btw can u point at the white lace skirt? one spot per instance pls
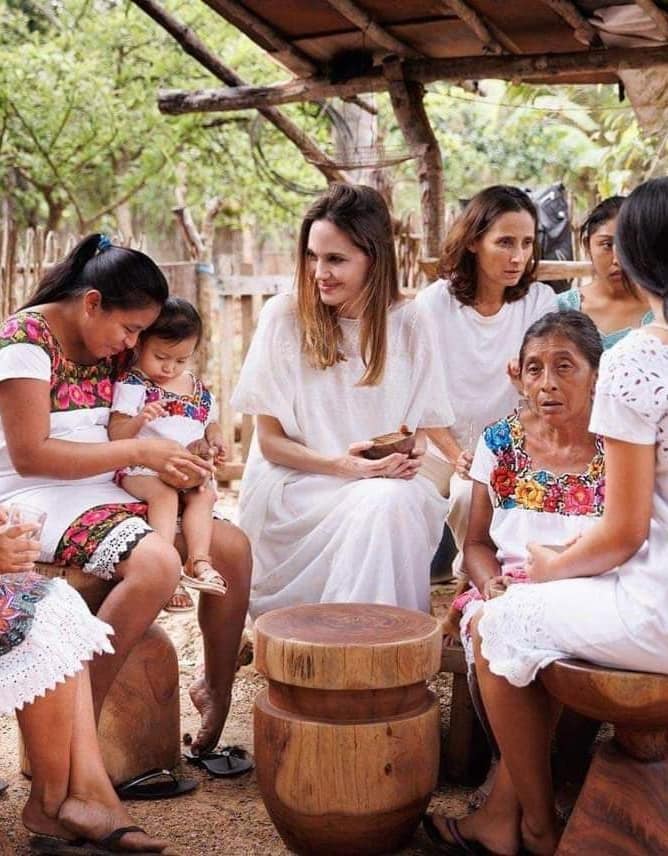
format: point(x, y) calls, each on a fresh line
point(62, 637)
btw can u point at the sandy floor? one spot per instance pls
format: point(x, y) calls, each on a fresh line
point(221, 816)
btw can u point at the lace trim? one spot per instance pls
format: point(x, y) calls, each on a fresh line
point(636, 373)
point(63, 636)
point(116, 547)
point(514, 641)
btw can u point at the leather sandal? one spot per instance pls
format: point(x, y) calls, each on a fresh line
point(215, 584)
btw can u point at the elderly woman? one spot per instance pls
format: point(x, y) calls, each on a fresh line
point(605, 597)
point(46, 636)
point(343, 360)
point(59, 356)
point(481, 307)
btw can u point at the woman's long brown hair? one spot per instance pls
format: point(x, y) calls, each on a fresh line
point(361, 213)
point(458, 263)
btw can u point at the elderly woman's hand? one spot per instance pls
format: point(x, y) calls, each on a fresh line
point(17, 551)
point(539, 567)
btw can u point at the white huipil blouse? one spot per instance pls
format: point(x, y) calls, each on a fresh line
point(322, 538)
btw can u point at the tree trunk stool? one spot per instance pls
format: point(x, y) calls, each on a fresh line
point(347, 733)
point(139, 726)
point(622, 807)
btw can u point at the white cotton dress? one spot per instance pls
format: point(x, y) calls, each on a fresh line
point(46, 636)
point(618, 619)
point(320, 538)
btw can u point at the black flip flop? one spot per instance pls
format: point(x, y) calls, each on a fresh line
point(221, 763)
point(3, 786)
point(81, 846)
point(155, 785)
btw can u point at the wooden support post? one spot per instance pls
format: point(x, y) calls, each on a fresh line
point(527, 67)
point(407, 98)
point(475, 22)
point(584, 32)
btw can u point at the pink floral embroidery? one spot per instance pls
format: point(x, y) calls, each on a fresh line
point(104, 389)
point(10, 327)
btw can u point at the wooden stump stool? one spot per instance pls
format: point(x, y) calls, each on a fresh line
point(347, 733)
point(622, 807)
point(139, 726)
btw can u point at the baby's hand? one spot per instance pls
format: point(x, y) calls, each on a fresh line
point(152, 411)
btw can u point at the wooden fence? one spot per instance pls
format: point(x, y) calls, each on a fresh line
point(232, 315)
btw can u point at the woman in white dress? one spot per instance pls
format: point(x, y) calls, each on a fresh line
point(343, 360)
point(47, 635)
point(59, 357)
point(605, 598)
point(481, 308)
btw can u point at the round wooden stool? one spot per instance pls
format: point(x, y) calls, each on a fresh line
point(622, 806)
point(347, 733)
point(139, 726)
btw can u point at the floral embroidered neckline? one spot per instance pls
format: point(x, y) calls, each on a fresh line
point(515, 483)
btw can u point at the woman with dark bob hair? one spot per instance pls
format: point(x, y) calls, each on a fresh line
point(481, 307)
point(59, 356)
point(604, 598)
point(343, 360)
point(611, 300)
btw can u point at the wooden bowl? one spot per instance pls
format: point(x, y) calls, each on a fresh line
point(387, 444)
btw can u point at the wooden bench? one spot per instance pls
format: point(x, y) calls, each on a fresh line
point(622, 806)
point(139, 726)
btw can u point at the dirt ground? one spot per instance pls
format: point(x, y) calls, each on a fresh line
point(225, 817)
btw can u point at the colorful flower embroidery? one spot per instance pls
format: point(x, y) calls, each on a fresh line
point(196, 406)
point(19, 596)
point(85, 534)
point(73, 386)
point(515, 483)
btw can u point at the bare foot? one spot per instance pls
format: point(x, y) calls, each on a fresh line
point(36, 820)
point(94, 821)
point(213, 711)
point(543, 843)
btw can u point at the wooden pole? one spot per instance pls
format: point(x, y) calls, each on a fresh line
point(192, 45)
point(570, 13)
point(475, 22)
point(528, 67)
point(407, 98)
point(656, 14)
point(371, 28)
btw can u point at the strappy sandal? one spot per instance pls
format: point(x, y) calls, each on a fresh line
point(200, 583)
point(172, 606)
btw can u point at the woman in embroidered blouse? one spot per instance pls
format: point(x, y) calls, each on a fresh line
point(344, 360)
point(59, 356)
point(604, 598)
point(611, 300)
point(46, 636)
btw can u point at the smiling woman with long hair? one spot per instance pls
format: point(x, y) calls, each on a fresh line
point(344, 360)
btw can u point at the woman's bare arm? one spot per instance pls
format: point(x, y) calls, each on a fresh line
point(479, 550)
point(25, 414)
point(624, 526)
point(278, 448)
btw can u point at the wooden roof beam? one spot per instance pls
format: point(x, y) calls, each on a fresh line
point(505, 67)
point(371, 28)
point(584, 32)
point(195, 48)
point(656, 14)
point(254, 26)
point(475, 22)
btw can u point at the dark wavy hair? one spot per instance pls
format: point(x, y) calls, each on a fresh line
point(641, 239)
point(458, 263)
point(178, 320)
point(606, 210)
point(573, 325)
point(126, 279)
